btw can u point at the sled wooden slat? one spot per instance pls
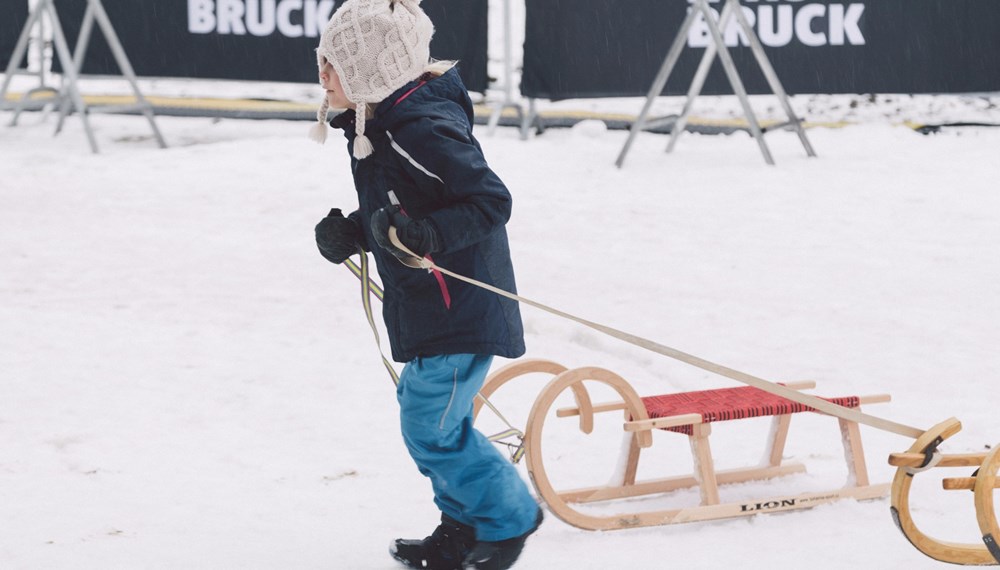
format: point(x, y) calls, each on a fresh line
point(776, 504)
point(962, 483)
point(958, 483)
point(664, 423)
point(669, 484)
point(950, 460)
point(598, 408)
point(875, 399)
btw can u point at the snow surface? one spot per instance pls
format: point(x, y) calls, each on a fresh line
point(186, 383)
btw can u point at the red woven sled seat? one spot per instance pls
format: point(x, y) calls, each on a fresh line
point(729, 404)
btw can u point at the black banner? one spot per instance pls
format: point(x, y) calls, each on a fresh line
point(13, 16)
point(256, 40)
point(607, 48)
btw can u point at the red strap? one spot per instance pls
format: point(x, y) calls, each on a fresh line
point(729, 404)
point(442, 285)
point(445, 294)
point(408, 93)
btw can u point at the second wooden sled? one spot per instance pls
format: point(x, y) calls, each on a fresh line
point(691, 414)
point(923, 456)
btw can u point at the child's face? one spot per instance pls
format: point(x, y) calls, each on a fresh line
point(334, 92)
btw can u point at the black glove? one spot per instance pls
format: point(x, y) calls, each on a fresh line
point(418, 235)
point(338, 237)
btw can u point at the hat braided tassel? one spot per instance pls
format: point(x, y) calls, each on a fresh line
point(362, 146)
point(318, 131)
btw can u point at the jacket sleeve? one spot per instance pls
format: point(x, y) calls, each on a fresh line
point(355, 217)
point(443, 154)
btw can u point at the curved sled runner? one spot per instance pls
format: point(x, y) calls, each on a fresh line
point(690, 414)
point(923, 456)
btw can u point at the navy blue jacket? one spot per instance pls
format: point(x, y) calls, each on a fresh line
point(425, 153)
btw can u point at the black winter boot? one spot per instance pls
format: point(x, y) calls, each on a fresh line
point(444, 549)
point(499, 555)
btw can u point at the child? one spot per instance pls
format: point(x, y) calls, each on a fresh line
point(417, 167)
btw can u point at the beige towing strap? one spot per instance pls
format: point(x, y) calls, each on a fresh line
point(819, 404)
point(369, 288)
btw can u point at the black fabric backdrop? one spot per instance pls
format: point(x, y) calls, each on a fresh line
point(156, 37)
point(13, 15)
point(605, 48)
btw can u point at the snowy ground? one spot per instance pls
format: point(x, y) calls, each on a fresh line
point(186, 383)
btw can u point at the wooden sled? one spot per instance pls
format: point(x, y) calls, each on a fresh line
point(688, 413)
point(923, 456)
point(693, 412)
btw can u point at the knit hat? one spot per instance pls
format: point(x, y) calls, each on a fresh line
point(376, 47)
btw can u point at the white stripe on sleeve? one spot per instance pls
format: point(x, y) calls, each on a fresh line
point(407, 156)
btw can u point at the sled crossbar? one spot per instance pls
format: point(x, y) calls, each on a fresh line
point(963, 484)
point(952, 460)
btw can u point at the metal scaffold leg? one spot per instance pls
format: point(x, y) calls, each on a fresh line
point(732, 10)
point(68, 97)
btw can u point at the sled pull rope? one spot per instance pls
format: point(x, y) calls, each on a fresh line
point(368, 288)
point(819, 404)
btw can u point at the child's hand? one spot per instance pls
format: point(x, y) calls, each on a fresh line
point(418, 235)
point(337, 237)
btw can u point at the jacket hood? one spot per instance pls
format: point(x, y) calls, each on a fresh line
point(436, 98)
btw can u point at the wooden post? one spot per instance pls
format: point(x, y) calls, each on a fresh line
point(776, 443)
point(704, 466)
point(857, 469)
point(632, 461)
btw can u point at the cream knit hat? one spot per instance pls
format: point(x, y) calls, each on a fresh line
point(376, 47)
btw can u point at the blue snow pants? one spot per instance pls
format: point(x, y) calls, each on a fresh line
point(473, 483)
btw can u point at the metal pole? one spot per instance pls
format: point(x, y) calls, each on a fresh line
point(79, 52)
point(71, 86)
point(123, 62)
point(698, 83)
point(658, 83)
point(508, 55)
point(19, 51)
point(495, 115)
point(734, 77)
point(508, 78)
point(773, 80)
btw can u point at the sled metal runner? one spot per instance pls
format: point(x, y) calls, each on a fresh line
point(921, 456)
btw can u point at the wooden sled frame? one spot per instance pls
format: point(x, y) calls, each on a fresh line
point(640, 426)
point(922, 456)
